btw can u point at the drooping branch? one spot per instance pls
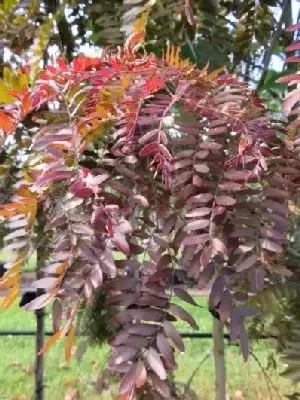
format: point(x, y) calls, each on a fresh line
point(189, 186)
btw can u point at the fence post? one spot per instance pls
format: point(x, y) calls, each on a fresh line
point(219, 358)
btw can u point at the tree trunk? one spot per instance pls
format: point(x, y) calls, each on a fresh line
point(40, 331)
point(220, 370)
point(39, 361)
point(269, 52)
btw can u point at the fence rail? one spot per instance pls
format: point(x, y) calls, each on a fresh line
point(188, 335)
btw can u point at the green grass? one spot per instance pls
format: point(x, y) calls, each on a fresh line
point(29, 266)
point(245, 381)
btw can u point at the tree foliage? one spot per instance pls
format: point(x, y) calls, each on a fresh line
point(144, 176)
point(279, 302)
point(222, 32)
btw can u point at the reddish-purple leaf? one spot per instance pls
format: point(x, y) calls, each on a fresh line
point(202, 154)
point(53, 176)
point(107, 263)
point(293, 59)
point(197, 224)
point(183, 178)
point(152, 300)
point(172, 333)
point(45, 283)
point(155, 363)
point(96, 277)
point(206, 275)
point(169, 224)
point(236, 324)
point(122, 299)
point(275, 206)
point(270, 246)
point(189, 12)
point(243, 232)
point(292, 98)
point(195, 239)
point(185, 296)
point(161, 241)
point(149, 149)
point(289, 78)
point(218, 131)
point(225, 201)
point(124, 227)
point(88, 290)
point(143, 329)
point(201, 198)
point(137, 342)
point(198, 212)
point(284, 272)
point(141, 200)
point(184, 315)
point(237, 175)
point(161, 387)
point(184, 154)
point(39, 302)
point(148, 314)
point(231, 186)
point(164, 260)
point(206, 256)
point(149, 136)
point(271, 233)
point(248, 311)
point(201, 168)
point(118, 339)
point(123, 353)
point(121, 284)
point(183, 163)
point(210, 146)
point(260, 274)
point(121, 243)
point(244, 343)
point(226, 306)
point(164, 346)
point(277, 193)
point(56, 315)
point(128, 381)
point(219, 246)
point(247, 263)
point(216, 292)
point(294, 27)
point(140, 374)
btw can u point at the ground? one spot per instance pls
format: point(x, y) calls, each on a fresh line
point(245, 381)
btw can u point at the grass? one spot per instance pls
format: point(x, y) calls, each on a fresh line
point(245, 381)
point(29, 266)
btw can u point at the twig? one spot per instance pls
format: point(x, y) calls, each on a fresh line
point(269, 381)
point(189, 382)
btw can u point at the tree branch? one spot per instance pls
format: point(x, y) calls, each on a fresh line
point(268, 54)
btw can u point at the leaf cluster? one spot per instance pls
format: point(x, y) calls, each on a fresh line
point(190, 186)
